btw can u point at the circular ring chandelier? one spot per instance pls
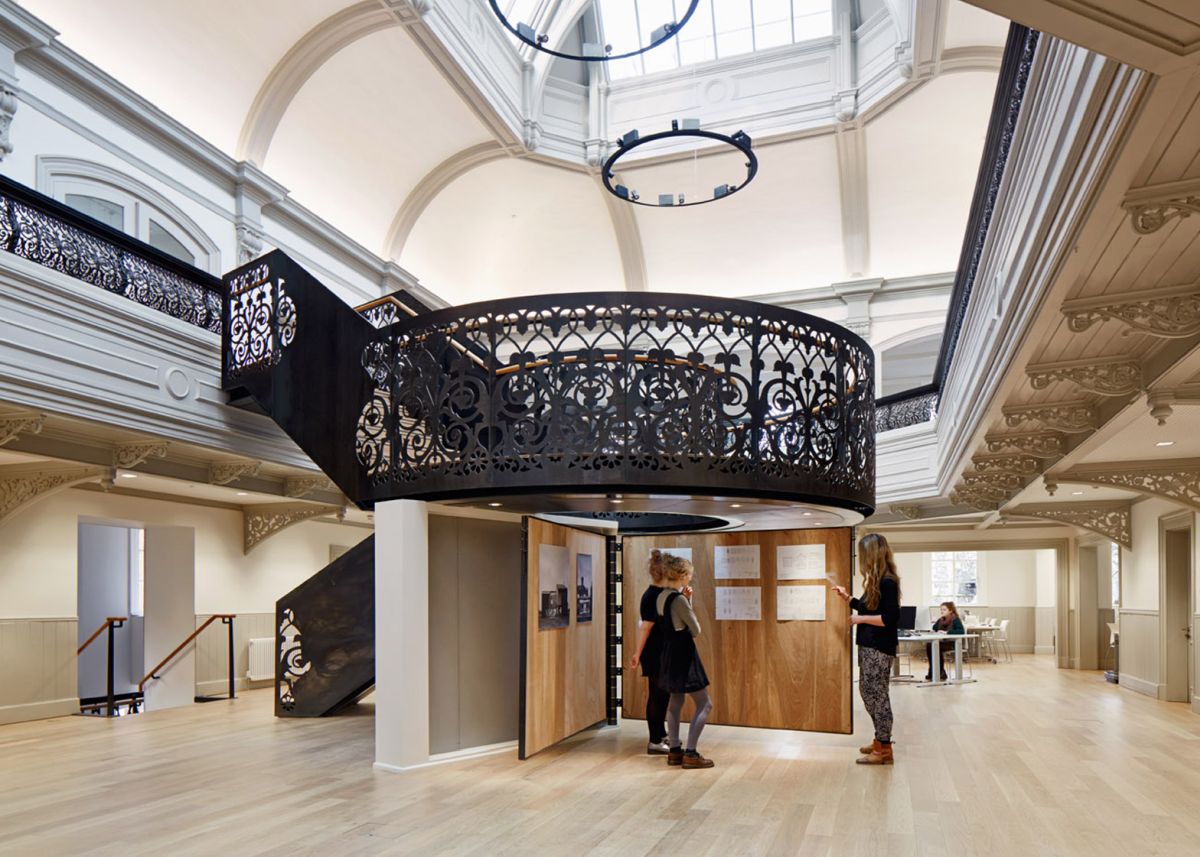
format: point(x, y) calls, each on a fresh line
point(690, 128)
point(591, 52)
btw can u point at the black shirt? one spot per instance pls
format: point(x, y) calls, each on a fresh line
point(872, 636)
point(649, 613)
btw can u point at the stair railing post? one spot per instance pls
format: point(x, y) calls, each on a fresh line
point(229, 621)
point(113, 624)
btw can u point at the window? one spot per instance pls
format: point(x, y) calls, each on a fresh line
point(956, 577)
point(124, 203)
point(718, 29)
point(1116, 575)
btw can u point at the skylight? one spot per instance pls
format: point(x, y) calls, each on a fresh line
point(719, 29)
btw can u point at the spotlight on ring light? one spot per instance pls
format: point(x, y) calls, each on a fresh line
point(679, 128)
point(591, 51)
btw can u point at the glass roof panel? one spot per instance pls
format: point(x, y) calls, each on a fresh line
point(520, 11)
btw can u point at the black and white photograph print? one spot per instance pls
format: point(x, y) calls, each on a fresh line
point(583, 587)
point(553, 586)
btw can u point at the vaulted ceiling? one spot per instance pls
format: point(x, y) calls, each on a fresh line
point(343, 107)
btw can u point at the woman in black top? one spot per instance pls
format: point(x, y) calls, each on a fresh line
point(648, 656)
point(947, 623)
point(878, 614)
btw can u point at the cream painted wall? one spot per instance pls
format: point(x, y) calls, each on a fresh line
point(1140, 566)
point(1047, 571)
point(1006, 578)
point(38, 553)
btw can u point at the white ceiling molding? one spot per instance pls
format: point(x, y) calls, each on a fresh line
point(432, 184)
point(852, 178)
point(629, 238)
point(928, 36)
point(299, 64)
point(974, 58)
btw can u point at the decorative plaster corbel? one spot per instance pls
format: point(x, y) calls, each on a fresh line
point(1175, 479)
point(1070, 417)
point(1151, 208)
point(1117, 377)
point(1006, 482)
point(910, 513)
point(129, 455)
point(974, 500)
point(224, 472)
point(1025, 465)
point(24, 484)
point(263, 521)
point(13, 426)
point(1113, 519)
point(1167, 313)
point(1043, 444)
point(298, 486)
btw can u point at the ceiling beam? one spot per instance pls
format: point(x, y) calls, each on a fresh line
point(296, 66)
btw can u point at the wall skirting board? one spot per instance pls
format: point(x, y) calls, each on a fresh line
point(1043, 650)
point(1140, 685)
point(38, 710)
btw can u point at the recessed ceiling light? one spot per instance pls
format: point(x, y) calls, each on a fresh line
point(1165, 443)
point(129, 476)
point(808, 514)
point(242, 493)
point(735, 505)
point(616, 500)
point(494, 505)
point(1076, 493)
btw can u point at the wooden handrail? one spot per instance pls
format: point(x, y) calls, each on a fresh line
point(100, 631)
point(179, 648)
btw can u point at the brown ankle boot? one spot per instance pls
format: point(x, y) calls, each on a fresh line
point(675, 756)
point(866, 751)
point(692, 759)
point(881, 754)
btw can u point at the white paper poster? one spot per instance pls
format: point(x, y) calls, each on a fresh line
point(800, 602)
point(800, 562)
point(736, 562)
point(739, 602)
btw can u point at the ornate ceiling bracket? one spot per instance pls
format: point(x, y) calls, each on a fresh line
point(974, 500)
point(13, 426)
point(1151, 208)
point(1168, 313)
point(1006, 482)
point(224, 472)
point(22, 485)
point(1175, 479)
point(1113, 520)
point(1118, 377)
point(1043, 444)
point(262, 522)
point(129, 455)
point(298, 486)
point(1069, 417)
point(1021, 465)
point(909, 513)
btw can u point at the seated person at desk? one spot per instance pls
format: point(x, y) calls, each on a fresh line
point(947, 623)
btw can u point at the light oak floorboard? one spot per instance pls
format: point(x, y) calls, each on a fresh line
point(1031, 760)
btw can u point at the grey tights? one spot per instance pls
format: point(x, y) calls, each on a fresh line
point(675, 708)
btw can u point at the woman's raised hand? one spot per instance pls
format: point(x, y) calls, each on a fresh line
point(842, 593)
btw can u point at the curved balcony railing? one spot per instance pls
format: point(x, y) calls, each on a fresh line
point(577, 393)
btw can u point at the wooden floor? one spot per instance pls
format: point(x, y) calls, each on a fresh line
point(1029, 761)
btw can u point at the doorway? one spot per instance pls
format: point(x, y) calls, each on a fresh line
point(110, 583)
point(1176, 608)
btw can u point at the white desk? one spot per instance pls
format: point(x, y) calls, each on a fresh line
point(935, 656)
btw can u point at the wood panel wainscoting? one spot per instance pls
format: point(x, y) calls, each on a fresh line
point(771, 674)
point(38, 669)
point(1047, 619)
point(1140, 661)
point(564, 679)
point(212, 652)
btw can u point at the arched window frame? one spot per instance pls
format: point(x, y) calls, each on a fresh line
point(59, 176)
point(908, 338)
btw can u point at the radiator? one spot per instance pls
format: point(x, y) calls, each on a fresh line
point(262, 659)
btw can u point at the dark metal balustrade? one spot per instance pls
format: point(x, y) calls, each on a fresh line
point(583, 393)
point(37, 228)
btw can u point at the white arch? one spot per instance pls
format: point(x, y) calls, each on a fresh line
point(433, 183)
point(299, 64)
point(629, 239)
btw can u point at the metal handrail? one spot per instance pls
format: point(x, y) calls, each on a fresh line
point(99, 631)
point(224, 617)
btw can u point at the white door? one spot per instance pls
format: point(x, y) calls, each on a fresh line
point(170, 608)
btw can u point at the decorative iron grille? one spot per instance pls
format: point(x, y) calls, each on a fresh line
point(48, 233)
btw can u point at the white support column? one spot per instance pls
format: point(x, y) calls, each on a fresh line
point(401, 635)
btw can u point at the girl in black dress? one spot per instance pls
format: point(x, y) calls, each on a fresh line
point(681, 674)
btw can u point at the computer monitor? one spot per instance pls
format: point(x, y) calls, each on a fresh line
point(908, 618)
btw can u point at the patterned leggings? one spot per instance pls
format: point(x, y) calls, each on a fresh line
point(874, 676)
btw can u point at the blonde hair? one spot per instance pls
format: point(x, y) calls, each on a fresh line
point(668, 568)
point(876, 563)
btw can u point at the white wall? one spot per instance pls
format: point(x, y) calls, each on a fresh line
point(1140, 566)
point(1047, 578)
point(38, 553)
